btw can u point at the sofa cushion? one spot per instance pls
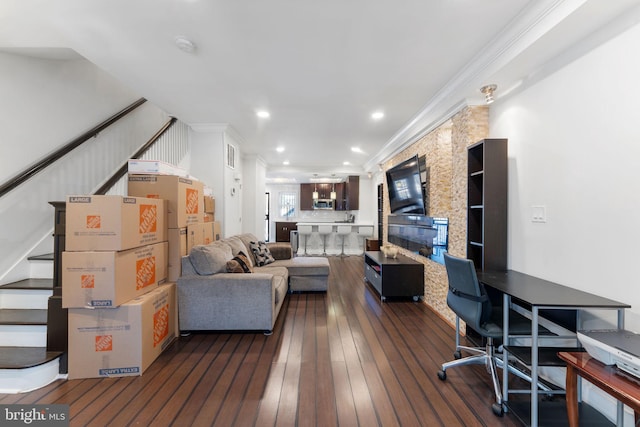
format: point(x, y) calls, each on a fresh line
point(261, 253)
point(238, 246)
point(239, 264)
point(305, 266)
point(247, 238)
point(210, 259)
point(280, 250)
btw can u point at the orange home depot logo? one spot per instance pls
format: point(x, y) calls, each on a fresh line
point(93, 221)
point(160, 324)
point(152, 196)
point(148, 218)
point(192, 201)
point(104, 343)
point(87, 281)
point(145, 272)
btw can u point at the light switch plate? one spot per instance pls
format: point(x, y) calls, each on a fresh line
point(538, 213)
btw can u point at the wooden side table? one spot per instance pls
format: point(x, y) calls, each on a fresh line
point(610, 379)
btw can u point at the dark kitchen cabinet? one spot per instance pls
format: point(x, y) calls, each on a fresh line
point(283, 231)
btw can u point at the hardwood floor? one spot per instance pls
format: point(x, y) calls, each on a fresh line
point(337, 359)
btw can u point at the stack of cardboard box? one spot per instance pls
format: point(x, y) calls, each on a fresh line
point(185, 206)
point(120, 319)
point(203, 233)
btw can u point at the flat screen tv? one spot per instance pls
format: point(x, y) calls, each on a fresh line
point(405, 188)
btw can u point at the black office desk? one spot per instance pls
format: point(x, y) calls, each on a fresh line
point(540, 294)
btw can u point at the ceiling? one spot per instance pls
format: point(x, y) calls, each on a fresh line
point(319, 68)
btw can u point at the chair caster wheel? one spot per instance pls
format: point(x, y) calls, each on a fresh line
point(457, 354)
point(497, 409)
point(442, 375)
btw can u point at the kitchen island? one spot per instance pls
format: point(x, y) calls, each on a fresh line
point(353, 241)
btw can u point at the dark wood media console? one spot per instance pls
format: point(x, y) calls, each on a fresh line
point(394, 277)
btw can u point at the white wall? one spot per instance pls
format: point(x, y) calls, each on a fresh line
point(209, 165)
point(574, 147)
point(206, 161)
point(233, 189)
point(46, 103)
point(253, 188)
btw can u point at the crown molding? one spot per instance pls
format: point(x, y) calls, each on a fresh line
point(531, 24)
point(209, 127)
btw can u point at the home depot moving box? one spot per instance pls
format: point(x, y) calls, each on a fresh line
point(177, 249)
point(217, 230)
point(185, 200)
point(122, 341)
point(154, 167)
point(199, 234)
point(109, 278)
point(113, 223)
point(209, 204)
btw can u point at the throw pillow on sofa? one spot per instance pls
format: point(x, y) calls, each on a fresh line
point(210, 259)
point(239, 264)
point(238, 246)
point(262, 253)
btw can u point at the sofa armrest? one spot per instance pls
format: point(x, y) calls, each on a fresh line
point(227, 301)
point(280, 250)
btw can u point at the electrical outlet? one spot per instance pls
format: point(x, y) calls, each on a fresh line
point(538, 213)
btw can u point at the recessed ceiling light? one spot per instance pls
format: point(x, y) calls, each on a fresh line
point(263, 114)
point(377, 115)
point(280, 149)
point(286, 163)
point(356, 149)
point(346, 163)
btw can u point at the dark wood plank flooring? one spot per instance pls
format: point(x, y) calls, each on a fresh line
point(337, 359)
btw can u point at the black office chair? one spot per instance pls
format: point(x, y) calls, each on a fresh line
point(469, 301)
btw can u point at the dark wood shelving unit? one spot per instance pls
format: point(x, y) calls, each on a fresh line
point(487, 204)
point(380, 212)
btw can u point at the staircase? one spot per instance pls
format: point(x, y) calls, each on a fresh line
point(27, 361)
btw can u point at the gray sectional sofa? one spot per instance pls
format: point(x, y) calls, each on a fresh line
point(210, 298)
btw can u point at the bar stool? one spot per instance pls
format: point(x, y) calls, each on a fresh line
point(344, 231)
point(304, 230)
point(364, 232)
point(324, 230)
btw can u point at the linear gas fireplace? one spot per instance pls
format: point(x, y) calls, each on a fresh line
point(424, 235)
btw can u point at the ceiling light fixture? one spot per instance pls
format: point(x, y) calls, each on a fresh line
point(356, 149)
point(286, 163)
point(377, 115)
point(488, 92)
point(263, 114)
point(315, 195)
point(280, 149)
point(184, 44)
point(346, 163)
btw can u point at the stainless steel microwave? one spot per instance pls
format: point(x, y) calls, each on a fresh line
point(323, 204)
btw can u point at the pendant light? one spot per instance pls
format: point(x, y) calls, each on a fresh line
point(315, 192)
point(333, 192)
